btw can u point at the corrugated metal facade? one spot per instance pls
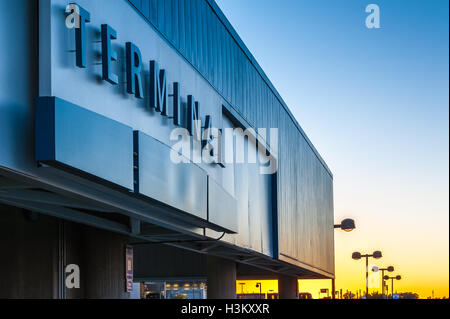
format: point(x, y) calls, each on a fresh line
point(202, 35)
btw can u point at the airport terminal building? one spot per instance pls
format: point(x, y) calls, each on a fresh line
point(141, 141)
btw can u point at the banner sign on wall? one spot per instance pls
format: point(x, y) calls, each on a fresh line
point(129, 268)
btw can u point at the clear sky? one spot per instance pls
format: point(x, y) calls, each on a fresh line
point(375, 103)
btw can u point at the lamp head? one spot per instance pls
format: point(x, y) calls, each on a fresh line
point(390, 268)
point(348, 224)
point(356, 255)
point(398, 277)
point(377, 254)
point(386, 277)
point(375, 268)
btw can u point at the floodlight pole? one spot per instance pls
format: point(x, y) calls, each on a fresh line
point(392, 287)
point(357, 255)
point(367, 275)
point(347, 225)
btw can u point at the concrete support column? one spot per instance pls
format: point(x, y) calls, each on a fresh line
point(287, 287)
point(29, 248)
point(221, 278)
point(104, 264)
point(333, 289)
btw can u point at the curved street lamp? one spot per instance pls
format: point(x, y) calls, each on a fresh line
point(347, 225)
point(398, 277)
point(357, 255)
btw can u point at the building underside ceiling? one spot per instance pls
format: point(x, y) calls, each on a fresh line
point(143, 229)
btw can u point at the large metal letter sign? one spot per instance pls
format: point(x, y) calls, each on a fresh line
point(80, 36)
point(134, 66)
point(108, 54)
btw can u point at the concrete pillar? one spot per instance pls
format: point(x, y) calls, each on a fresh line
point(37, 248)
point(29, 255)
point(221, 278)
point(287, 287)
point(104, 264)
point(333, 289)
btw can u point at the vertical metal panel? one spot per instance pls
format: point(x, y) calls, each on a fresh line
point(194, 34)
point(145, 8)
point(202, 45)
point(153, 14)
point(161, 18)
point(233, 73)
point(228, 62)
point(210, 46)
point(182, 26)
point(188, 31)
point(168, 12)
point(175, 28)
point(220, 58)
point(215, 27)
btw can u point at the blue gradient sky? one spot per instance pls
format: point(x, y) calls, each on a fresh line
point(375, 104)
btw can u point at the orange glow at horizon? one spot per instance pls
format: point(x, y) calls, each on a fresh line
point(249, 286)
point(417, 247)
point(418, 250)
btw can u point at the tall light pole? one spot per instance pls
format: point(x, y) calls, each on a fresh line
point(346, 225)
point(242, 287)
point(398, 277)
point(357, 255)
point(258, 284)
point(390, 269)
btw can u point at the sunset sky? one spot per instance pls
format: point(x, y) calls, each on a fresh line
point(375, 104)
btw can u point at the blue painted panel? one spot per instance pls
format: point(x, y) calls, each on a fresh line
point(183, 185)
point(71, 137)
